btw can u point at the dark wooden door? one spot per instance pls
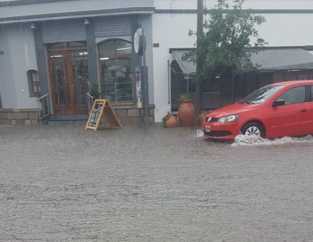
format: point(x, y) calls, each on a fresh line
point(69, 81)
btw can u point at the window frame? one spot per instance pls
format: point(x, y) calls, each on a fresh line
point(33, 83)
point(307, 94)
point(128, 57)
point(310, 90)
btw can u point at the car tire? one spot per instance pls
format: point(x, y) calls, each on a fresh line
point(253, 128)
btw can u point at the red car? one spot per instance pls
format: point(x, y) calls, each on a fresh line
point(277, 110)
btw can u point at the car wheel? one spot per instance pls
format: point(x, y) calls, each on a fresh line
point(253, 128)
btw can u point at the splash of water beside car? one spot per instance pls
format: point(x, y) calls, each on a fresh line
point(199, 133)
point(245, 140)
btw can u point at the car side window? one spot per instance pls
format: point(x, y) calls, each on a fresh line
point(294, 95)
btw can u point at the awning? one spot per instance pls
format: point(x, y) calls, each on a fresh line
point(270, 59)
point(282, 59)
point(187, 67)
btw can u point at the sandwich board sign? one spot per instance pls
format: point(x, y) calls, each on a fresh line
point(102, 116)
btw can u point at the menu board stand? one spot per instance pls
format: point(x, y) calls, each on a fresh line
point(102, 116)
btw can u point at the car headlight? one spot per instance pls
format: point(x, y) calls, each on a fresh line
point(208, 119)
point(228, 119)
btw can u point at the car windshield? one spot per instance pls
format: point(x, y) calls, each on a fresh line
point(262, 94)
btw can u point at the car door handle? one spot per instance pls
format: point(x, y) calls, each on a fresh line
point(303, 110)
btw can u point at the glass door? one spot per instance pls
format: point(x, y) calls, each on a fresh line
point(68, 67)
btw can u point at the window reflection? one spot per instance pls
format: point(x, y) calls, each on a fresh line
point(115, 70)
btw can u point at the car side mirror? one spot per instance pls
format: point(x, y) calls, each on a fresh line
point(278, 103)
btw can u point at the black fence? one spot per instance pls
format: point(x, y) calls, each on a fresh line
point(224, 90)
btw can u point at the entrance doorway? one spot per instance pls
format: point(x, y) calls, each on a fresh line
point(68, 69)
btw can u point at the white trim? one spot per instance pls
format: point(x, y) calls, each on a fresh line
point(73, 17)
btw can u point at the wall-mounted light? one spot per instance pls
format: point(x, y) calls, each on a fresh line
point(84, 53)
point(33, 26)
point(104, 58)
point(86, 21)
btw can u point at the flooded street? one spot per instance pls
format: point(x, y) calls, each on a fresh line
point(60, 183)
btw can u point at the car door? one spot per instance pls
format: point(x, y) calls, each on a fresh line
point(288, 119)
point(310, 112)
point(306, 114)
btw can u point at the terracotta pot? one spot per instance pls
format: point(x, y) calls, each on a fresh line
point(186, 114)
point(171, 122)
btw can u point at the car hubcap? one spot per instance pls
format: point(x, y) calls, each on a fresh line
point(253, 130)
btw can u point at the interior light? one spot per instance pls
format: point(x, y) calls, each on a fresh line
point(126, 48)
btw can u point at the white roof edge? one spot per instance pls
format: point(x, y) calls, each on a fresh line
point(39, 19)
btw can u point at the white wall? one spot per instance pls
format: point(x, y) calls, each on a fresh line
point(277, 4)
point(170, 31)
point(254, 4)
point(175, 4)
point(287, 29)
point(19, 57)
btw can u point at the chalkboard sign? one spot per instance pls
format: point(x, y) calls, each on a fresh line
point(102, 114)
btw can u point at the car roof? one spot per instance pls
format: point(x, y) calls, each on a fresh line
point(294, 83)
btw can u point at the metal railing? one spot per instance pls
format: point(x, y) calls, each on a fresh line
point(45, 108)
point(90, 100)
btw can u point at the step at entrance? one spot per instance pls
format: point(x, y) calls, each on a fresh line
point(67, 119)
point(129, 115)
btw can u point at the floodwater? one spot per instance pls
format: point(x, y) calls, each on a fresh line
point(246, 140)
point(61, 183)
point(243, 140)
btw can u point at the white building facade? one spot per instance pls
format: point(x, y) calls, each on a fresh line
point(68, 44)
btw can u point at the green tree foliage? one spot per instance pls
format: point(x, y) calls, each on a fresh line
point(227, 36)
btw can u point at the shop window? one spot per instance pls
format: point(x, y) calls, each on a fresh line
point(33, 83)
point(115, 69)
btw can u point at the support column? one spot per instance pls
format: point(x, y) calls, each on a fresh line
point(42, 62)
point(92, 52)
point(43, 70)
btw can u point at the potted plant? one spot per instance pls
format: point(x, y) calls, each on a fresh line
point(186, 111)
point(170, 121)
